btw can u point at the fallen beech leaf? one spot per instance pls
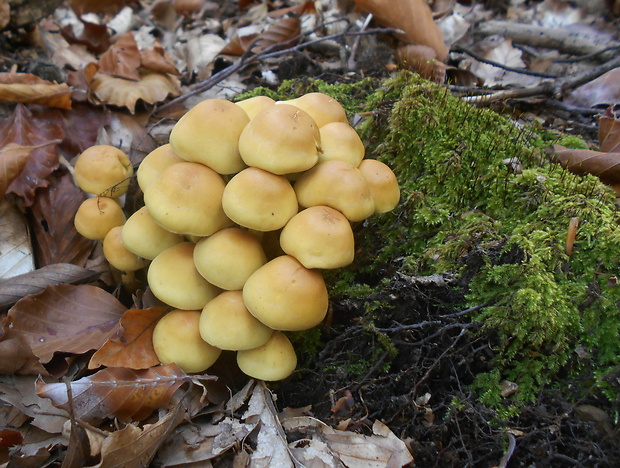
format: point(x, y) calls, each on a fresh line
point(609, 132)
point(10, 437)
point(57, 240)
point(66, 318)
point(16, 357)
point(414, 17)
point(604, 165)
point(188, 7)
point(15, 288)
point(602, 91)
point(15, 248)
point(124, 393)
point(152, 88)
point(133, 347)
point(122, 59)
point(93, 36)
point(99, 6)
point(13, 159)
point(22, 128)
point(157, 59)
point(281, 35)
point(27, 88)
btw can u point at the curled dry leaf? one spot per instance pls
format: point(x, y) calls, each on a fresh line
point(124, 393)
point(604, 165)
point(157, 59)
point(609, 132)
point(414, 17)
point(151, 88)
point(27, 88)
point(122, 59)
point(133, 347)
point(16, 357)
point(282, 34)
point(66, 318)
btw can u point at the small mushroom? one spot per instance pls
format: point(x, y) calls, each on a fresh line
point(322, 108)
point(280, 139)
point(383, 184)
point(176, 338)
point(173, 279)
point(117, 255)
point(96, 216)
point(319, 237)
point(275, 360)
point(103, 170)
point(340, 141)
point(144, 237)
point(228, 257)
point(254, 105)
point(260, 200)
point(285, 295)
point(154, 163)
point(209, 134)
point(226, 323)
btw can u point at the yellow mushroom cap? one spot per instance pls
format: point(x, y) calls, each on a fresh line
point(176, 338)
point(275, 360)
point(96, 216)
point(173, 279)
point(383, 184)
point(339, 185)
point(103, 170)
point(228, 257)
point(226, 323)
point(209, 134)
point(117, 255)
point(254, 105)
point(186, 198)
point(340, 141)
point(319, 237)
point(322, 108)
point(280, 139)
point(285, 295)
point(142, 236)
point(154, 163)
point(259, 200)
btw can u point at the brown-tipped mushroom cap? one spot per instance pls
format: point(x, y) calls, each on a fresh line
point(154, 163)
point(209, 134)
point(176, 338)
point(383, 184)
point(254, 105)
point(259, 200)
point(173, 278)
point(319, 237)
point(103, 170)
point(96, 216)
point(285, 295)
point(322, 108)
point(226, 323)
point(228, 257)
point(117, 255)
point(340, 141)
point(275, 360)
point(337, 184)
point(142, 236)
point(186, 198)
point(280, 139)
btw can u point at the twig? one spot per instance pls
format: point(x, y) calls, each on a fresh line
point(356, 43)
point(512, 444)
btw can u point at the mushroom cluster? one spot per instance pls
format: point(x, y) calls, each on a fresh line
point(244, 207)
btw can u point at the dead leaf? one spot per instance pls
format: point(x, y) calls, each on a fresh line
point(422, 60)
point(17, 287)
point(26, 88)
point(13, 159)
point(16, 357)
point(15, 248)
point(157, 59)
point(93, 36)
point(122, 59)
point(133, 347)
point(98, 6)
point(5, 13)
point(23, 129)
point(578, 161)
point(57, 240)
point(66, 318)
point(602, 91)
point(124, 393)
point(414, 17)
point(151, 88)
point(609, 132)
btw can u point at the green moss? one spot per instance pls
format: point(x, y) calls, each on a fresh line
point(465, 209)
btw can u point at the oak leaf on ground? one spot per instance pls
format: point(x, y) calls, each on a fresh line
point(27, 88)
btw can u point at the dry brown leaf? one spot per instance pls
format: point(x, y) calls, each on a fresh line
point(93, 36)
point(604, 165)
point(122, 59)
point(66, 318)
point(609, 132)
point(414, 17)
point(152, 88)
point(57, 240)
point(157, 59)
point(13, 159)
point(27, 88)
point(123, 393)
point(22, 128)
point(282, 34)
point(133, 347)
point(16, 357)
point(111, 7)
point(602, 91)
point(17, 287)
point(5, 13)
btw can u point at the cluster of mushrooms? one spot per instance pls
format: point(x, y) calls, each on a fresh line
point(243, 208)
